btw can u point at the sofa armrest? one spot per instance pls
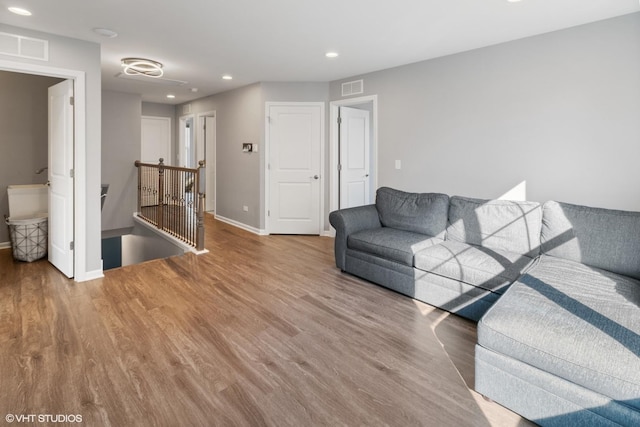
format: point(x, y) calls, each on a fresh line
point(349, 221)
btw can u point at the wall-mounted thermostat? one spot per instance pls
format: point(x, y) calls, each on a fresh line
point(249, 148)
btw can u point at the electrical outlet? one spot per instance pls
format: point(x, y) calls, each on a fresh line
point(245, 208)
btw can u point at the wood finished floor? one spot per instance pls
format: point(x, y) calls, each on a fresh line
point(262, 330)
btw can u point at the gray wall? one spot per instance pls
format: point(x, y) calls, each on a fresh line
point(240, 117)
point(121, 146)
point(560, 111)
point(24, 136)
point(71, 54)
point(238, 120)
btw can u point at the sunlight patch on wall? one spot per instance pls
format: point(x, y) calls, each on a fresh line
point(517, 193)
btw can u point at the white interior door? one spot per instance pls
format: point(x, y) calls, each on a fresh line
point(294, 165)
point(355, 179)
point(61, 177)
point(156, 140)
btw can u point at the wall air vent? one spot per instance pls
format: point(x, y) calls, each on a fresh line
point(24, 47)
point(352, 88)
point(155, 80)
point(186, 109)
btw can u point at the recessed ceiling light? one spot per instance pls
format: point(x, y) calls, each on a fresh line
point(20, 11)
point(171, 96)
point(105, 32)
point(227, 77)
point(331, 54)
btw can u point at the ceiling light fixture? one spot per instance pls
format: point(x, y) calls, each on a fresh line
point(105, 32)
point(227, 77)
point(171, 96)
point(331, 54)
point(20, 11)
point(142, 67)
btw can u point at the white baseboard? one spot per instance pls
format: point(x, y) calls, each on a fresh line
point(328, 233)
point(89, 275)
point(242, 226)
point(5, 245)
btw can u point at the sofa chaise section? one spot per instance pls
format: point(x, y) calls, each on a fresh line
point(562, 345)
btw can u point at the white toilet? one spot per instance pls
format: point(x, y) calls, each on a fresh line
point(28, 220)
point(26, 201)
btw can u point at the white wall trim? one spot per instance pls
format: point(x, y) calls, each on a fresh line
point(329, 233)
point(177, 242)
point(241, 225)
point(80, 159)
point(5, 245)
point(200, 134)
point(333, 147)
point(267, 176)
point(92, 275)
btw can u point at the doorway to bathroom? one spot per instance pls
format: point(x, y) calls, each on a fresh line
point(26, 159)
point(23, 143)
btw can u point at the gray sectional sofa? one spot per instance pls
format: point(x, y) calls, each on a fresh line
point(555, 289)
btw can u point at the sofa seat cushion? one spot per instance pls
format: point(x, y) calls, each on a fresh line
point(489, 269)
point(579, 323)
point(390, 243)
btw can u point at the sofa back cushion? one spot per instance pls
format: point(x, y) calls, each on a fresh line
point(424, 213)
point(602, 238)
point(503, 225)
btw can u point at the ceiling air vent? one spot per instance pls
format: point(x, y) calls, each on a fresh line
point(352, 88)
point(24, 47)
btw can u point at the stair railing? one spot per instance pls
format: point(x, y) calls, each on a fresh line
point(172, 199)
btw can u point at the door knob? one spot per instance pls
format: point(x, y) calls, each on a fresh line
point(315, 177)
point(366, 176)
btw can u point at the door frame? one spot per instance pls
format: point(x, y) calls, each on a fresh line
point(267, 153)
point(210, 146)
point(79, 156)
point(334, 137)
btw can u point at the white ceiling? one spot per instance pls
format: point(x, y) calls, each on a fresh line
point(285, 40)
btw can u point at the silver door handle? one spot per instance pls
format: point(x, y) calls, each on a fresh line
point(366, 176)
point(315, 177)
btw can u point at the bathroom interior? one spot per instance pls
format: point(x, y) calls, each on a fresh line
point(23, 173)
point(23, 147)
